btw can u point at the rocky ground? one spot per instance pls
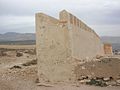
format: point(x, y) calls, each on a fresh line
point(18, 71)
point(102, 72)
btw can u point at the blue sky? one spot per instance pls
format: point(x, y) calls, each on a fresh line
point(101, 15)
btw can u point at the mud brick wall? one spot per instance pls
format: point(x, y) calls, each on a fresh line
point(59, 42)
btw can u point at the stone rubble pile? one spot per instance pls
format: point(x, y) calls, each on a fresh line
point(99, 81)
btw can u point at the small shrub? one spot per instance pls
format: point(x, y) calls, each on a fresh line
point(31, 52)
point(37, 80)
point(33, 62)
point(99, 57)
point(19, 54)
point(3, 53)
point(97, 83)
point(15, 67)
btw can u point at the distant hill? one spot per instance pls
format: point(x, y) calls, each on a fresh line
point(110, 39)
point(24, 42)
point(12, 36)
point(29, 38)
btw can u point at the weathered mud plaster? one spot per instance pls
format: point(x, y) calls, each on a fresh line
point(108, 49)
point(60, 42)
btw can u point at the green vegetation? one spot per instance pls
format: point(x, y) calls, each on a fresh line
point(97, 83)
point(25, 42)
point(33, 62)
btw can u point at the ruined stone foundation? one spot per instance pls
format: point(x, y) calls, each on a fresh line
point(108, 49)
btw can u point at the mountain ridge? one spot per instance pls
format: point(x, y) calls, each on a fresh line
point(29, 38)
point(110, 39)
point(13, 36)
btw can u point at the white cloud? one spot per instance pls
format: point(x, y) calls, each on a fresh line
point(103, 15)
point(16, 19)
point(107, 30)
point(17, 24)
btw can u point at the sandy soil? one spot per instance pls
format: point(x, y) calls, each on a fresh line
point(24, 78)
point(105, 67)
point(18, 46)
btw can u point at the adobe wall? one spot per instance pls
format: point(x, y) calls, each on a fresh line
point(53, 49)
point(108, 49)
point(85, 43)
point(59, 43)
